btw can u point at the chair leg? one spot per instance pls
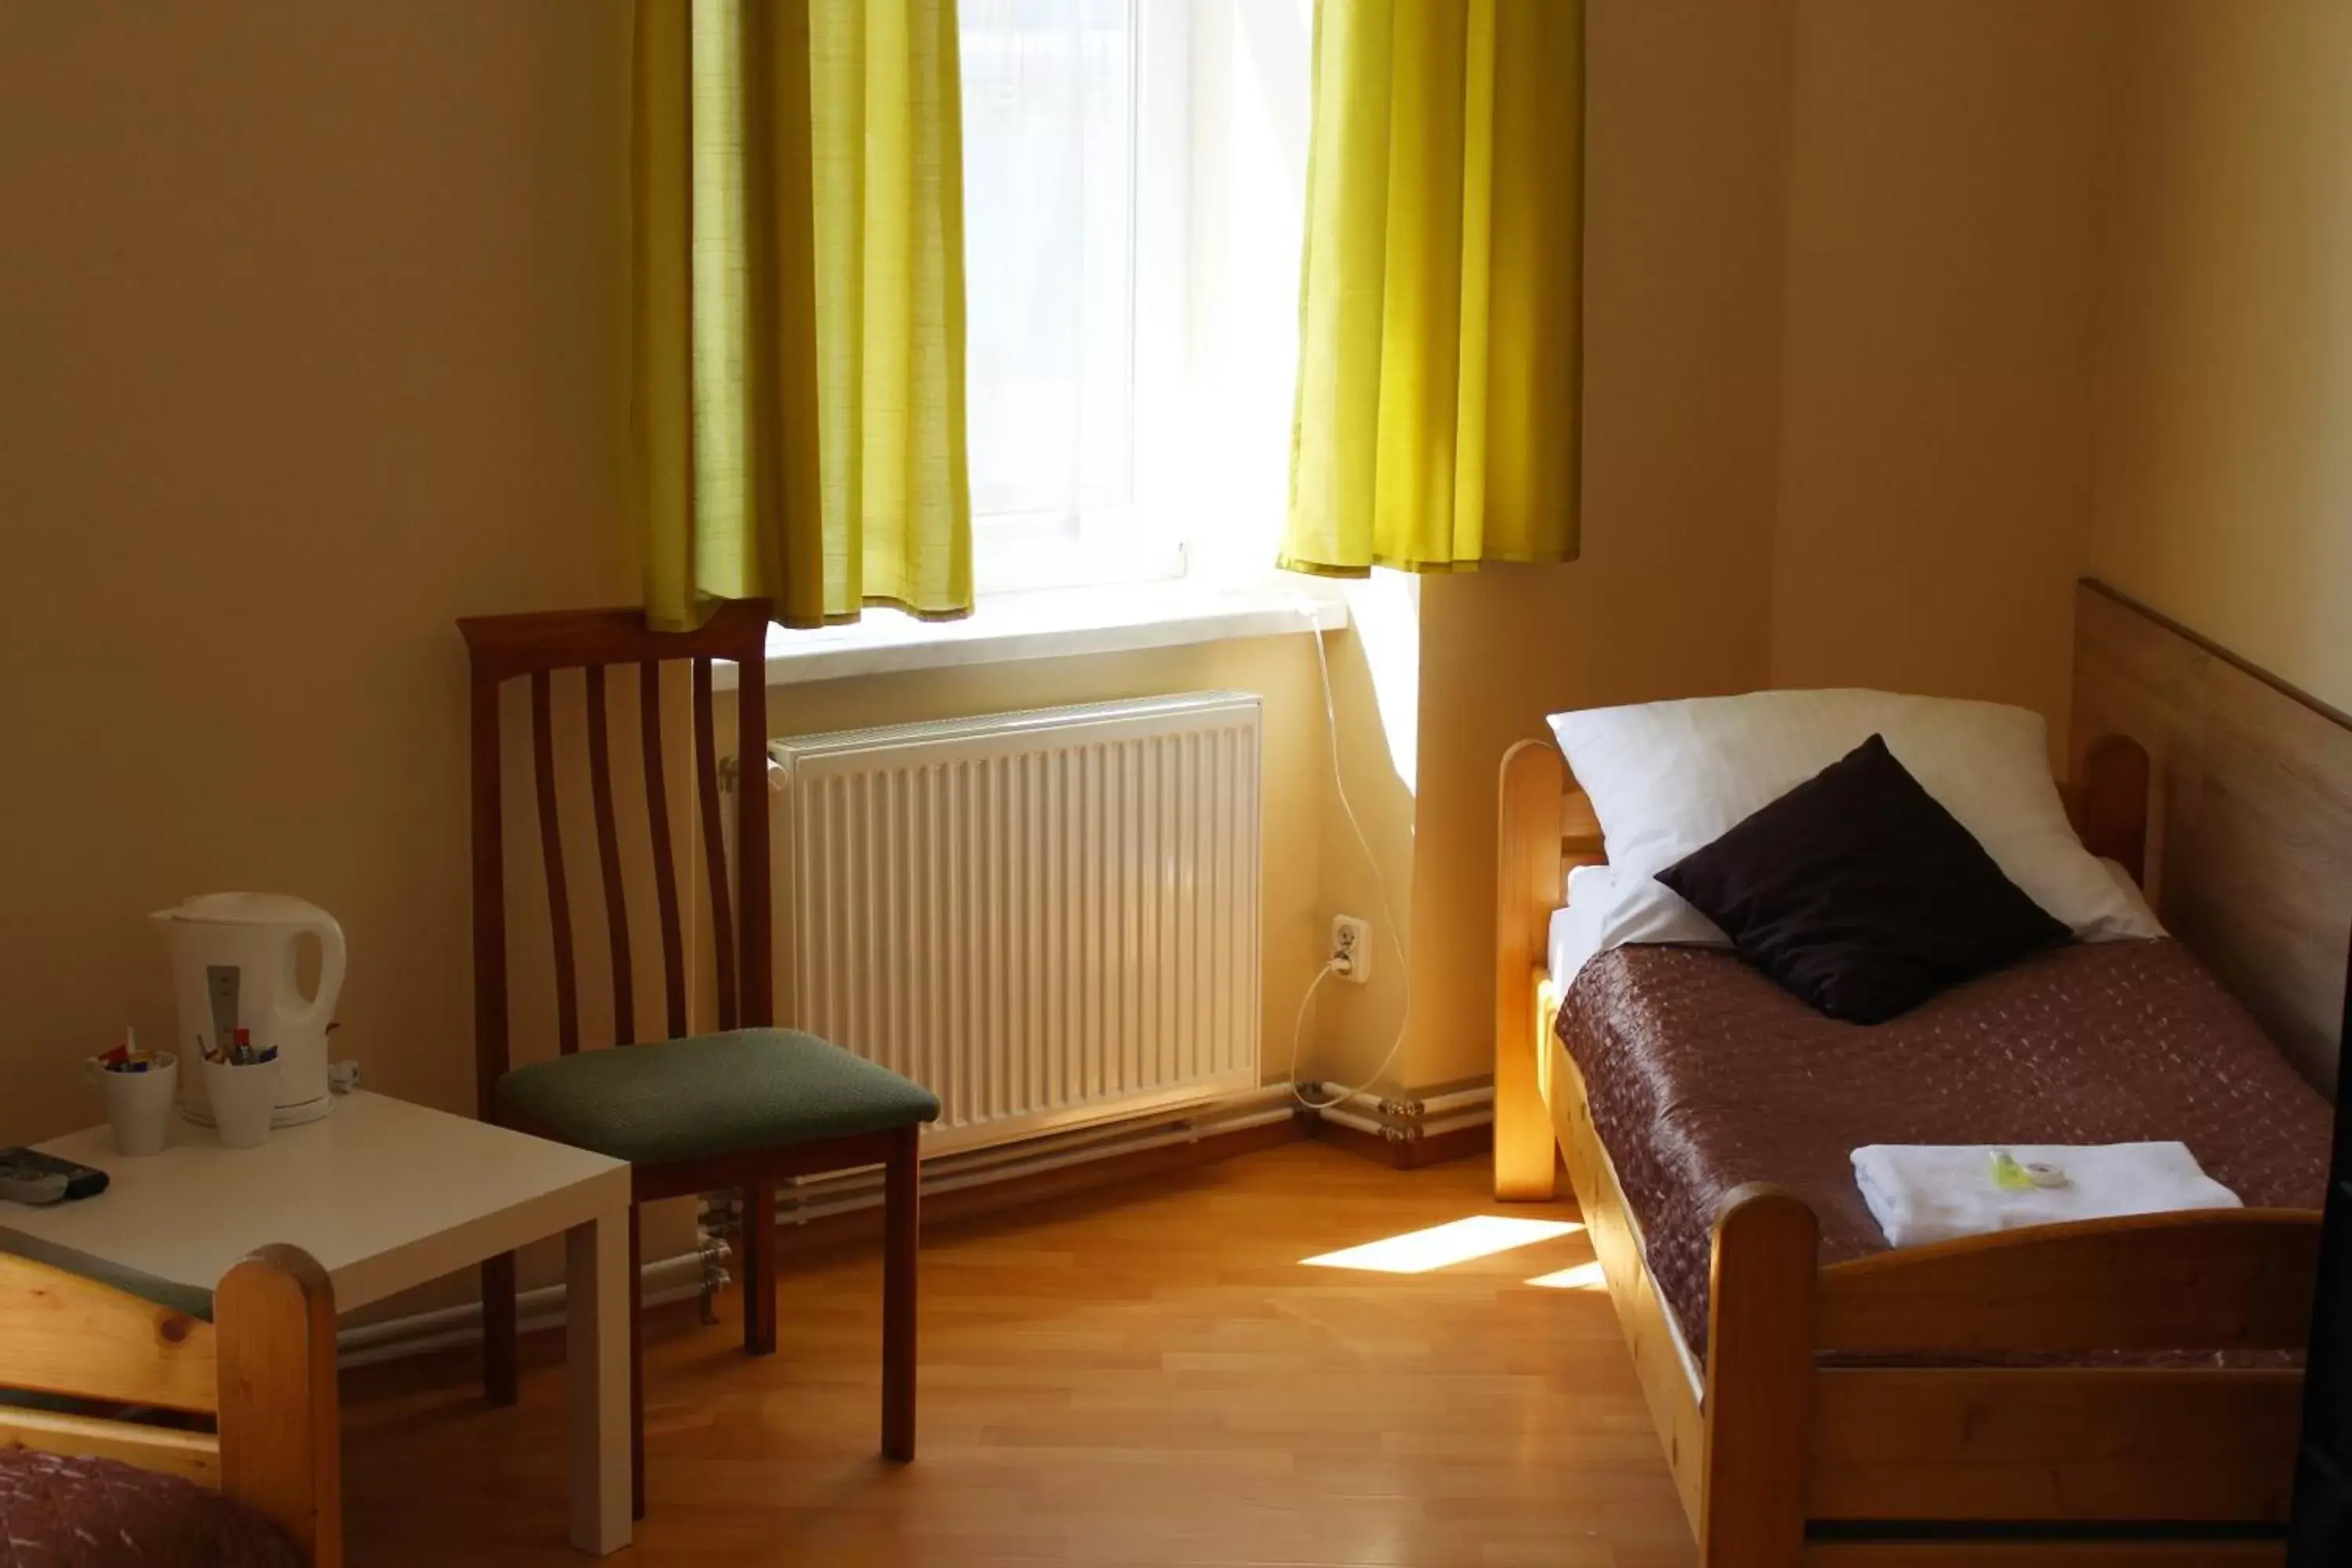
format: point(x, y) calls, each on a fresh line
point(636, 1370)
point(901, 1244)
point(760, 1268)
point(498, 1328)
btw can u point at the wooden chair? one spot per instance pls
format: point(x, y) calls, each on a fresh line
point(745, 1108)
point(257, 1354)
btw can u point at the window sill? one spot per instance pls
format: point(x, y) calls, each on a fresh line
point(1054, 623)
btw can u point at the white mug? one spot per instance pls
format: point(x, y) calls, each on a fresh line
point(139, 1104)
point(243, 1096)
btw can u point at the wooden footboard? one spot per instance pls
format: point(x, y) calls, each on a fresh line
point(265, 1368)
point(1804, 1457)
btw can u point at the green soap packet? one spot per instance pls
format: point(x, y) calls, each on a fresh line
point(2009, 1175)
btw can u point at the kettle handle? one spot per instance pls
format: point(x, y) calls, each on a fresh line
point(330, 973)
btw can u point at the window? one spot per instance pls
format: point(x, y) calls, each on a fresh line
point(1104, 258)
point(1055, 159)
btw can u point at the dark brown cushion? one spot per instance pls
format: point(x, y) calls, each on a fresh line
point(1860, 893)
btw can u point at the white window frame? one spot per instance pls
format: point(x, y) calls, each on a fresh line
point(1145, 539)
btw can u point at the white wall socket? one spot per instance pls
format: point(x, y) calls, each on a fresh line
point(1351, 939)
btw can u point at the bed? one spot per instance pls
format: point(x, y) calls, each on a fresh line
point(2107, 1394)
point(141, 1429)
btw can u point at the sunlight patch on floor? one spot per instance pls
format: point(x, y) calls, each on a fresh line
point(1584, 1277)
point(1442, 1246)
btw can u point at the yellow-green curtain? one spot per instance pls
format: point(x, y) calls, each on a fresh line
point(798, 304)
point(1440, 302)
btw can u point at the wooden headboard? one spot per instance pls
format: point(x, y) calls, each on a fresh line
point(2251, 827)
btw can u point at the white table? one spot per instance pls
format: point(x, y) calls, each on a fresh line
point(386, 1196)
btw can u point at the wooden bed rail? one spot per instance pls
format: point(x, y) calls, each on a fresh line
point(61, 1333)
point(2134, 1448)
point(1795, 1442)
point(2237, 1278)
point(265, 1367)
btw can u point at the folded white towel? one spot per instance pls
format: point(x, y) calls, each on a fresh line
point(1927, 1192)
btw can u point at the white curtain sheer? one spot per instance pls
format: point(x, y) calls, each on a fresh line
point(1050, 153)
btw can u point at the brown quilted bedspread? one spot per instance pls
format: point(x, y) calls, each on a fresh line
point(95, 1513)
point(1703, 1074)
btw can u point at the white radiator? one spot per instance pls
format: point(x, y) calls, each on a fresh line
point(1048, 918)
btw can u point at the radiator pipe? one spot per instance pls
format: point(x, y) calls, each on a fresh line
point(1399, 1121)
point(1404, 1108)
point(1378, 1129)
point(828, 1205)
point(1461, 1099)
point(1197, 1120)
point(962, 1170)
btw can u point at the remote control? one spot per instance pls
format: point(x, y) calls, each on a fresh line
point(29, 1176)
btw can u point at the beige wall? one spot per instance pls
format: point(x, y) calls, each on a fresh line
point(1361, 1028)
point(318, 348)
point(1947, 167)
point(310, 323)
point(1686, 169)
point(335, 360)
point(2224, 464)
point(1843, 264)
point(321, 341)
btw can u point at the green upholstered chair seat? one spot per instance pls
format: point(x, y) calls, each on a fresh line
point(711, 1094)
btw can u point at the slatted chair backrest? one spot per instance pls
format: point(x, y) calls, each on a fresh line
point(538, 649)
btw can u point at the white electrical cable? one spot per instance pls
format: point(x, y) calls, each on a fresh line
point(1388, 911)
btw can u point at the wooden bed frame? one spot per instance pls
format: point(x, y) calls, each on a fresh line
point(265, 1368)
point(1781, 1460)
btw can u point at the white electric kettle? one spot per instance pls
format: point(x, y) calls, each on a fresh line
point(233, 967)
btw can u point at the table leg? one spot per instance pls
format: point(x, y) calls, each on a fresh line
point(596, 1300)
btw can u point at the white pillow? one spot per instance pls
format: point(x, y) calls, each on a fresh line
point(1645, 910)
point(1667, 778)
point(1573, 938)
point(2141, 920)
point(1606, 911)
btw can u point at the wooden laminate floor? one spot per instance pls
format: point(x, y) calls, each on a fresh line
point(1146, 1374)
